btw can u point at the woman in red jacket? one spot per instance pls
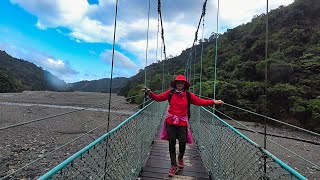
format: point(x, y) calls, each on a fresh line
point(176, 122)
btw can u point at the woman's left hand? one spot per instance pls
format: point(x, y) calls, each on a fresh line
point(218, 102)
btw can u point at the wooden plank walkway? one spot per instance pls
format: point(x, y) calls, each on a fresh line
point(158, 163)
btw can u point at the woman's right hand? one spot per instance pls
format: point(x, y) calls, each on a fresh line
point(146, 91)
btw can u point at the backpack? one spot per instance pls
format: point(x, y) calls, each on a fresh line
point(188, 99)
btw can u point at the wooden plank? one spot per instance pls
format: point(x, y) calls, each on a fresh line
point(180, 172)
point(158, 159)
point(147, 175)
point(166, 156)
point(158, 163)
point(149, 178)
point(198, 169)
point(155, 147)
point(165, 143)
point(165, 152)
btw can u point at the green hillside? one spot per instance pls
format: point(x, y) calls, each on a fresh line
point(17, 75)
point(293, 92)
point(101, 85)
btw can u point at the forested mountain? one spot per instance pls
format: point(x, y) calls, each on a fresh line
point(293, 87)
point(17, 75)
point(101, 85)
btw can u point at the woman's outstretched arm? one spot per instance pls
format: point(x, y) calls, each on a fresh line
point(159, 97)
point(204, 102)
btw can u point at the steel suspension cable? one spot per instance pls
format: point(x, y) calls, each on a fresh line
point(163, 41)
point(194, 68)
point(157, 40)
point(201, 59)
point(190, 72)
point(112, 61)
point(162, 84)
point(163, 80)
point(266, 84)
point(216, 55)
point(43, 118)
point(188, 65)
point(250, 129)
point(111, 77)
point(272, 119)
point(162, 31)
point(281, 122)
point(160, 53)
point(262, 133)
point(147, 47)
point(60, 147)
point(315, 166)
point(203, 12)
point(60, 114)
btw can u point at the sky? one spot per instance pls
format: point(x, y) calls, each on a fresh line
point(73, 38)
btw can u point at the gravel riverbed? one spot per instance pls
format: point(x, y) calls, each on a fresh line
point(23, 144)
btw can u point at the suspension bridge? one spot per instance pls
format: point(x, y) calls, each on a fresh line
point(132, 150)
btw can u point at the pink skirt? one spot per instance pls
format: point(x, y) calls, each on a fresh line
point(164, 132)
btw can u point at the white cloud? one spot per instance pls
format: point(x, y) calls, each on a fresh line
point(94, 23)
point(120, 59)
point(92, 31)
point(233, 13)
point(130, 34)
point(59, 12)
point(55, 63)
point(70, 14)
point(177, 38)
point(58, 67)
point(41, 26)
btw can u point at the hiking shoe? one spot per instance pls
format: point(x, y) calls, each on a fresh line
point(181, 163)
point(173, 171)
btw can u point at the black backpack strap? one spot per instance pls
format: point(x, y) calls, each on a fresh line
point(170, 95)
point(188, 99)
point(189, 102)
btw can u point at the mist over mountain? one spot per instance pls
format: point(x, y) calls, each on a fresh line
point(101, 85)
point(18, 75)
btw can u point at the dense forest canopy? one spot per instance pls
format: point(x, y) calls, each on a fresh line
point(293, 86)
point(293, 68)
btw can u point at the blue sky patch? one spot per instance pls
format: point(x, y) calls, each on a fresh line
point(73, 38)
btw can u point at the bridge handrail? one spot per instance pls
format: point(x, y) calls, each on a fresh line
point(264, 151)
point(88, 147)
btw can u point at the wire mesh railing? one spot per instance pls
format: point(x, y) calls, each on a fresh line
point(228, 154)
point(118, 154)
point(298, 147)
point(28, 151)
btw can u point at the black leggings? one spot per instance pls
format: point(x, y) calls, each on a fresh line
point(172, 150)
point(180, 133)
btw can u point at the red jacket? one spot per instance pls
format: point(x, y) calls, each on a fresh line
point(179, 103)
